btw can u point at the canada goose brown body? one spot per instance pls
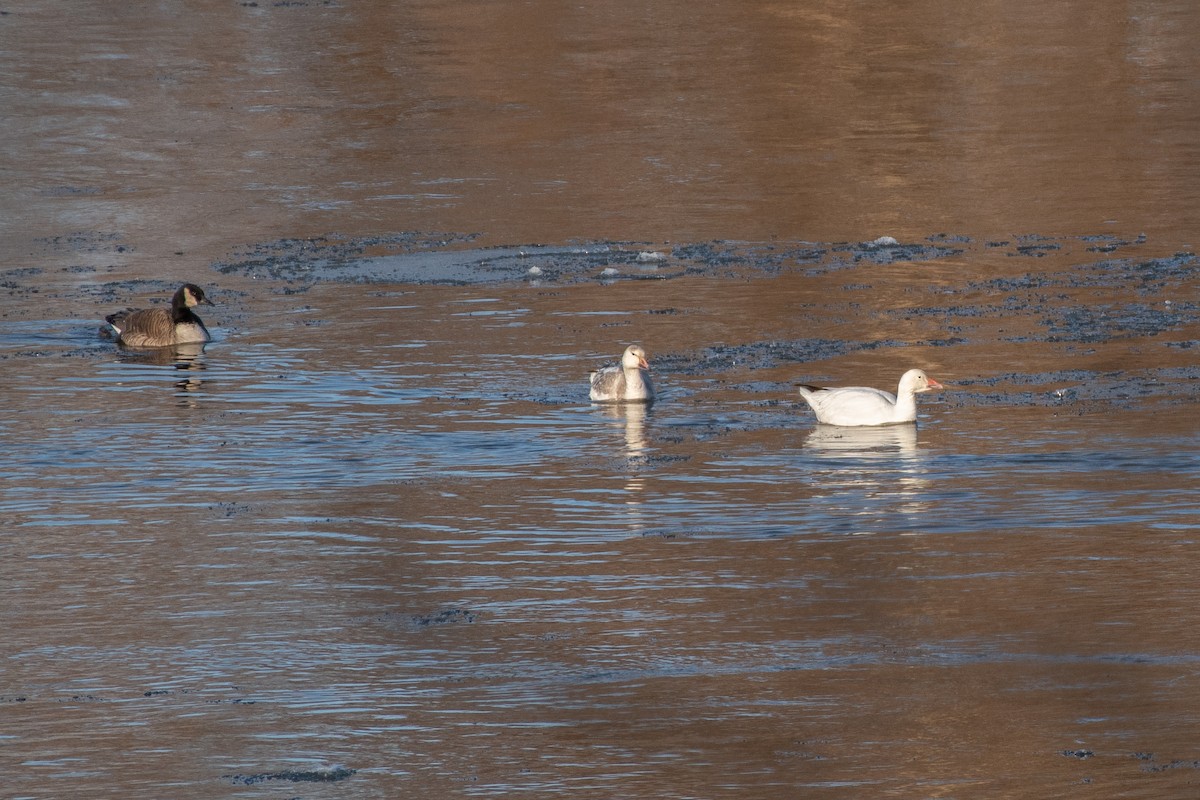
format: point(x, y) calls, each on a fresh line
point(163, 327)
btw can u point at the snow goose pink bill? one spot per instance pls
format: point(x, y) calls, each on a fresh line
point(855, 406)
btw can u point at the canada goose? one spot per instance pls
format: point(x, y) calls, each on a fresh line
point(862, 405)
point(629, 382)
point(162, 327)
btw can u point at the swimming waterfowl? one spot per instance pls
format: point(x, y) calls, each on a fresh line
point(627, 383)
point(861, 405)
point(163, 327)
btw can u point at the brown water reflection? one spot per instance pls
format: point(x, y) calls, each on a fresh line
point(373, 541)
point(541, 123)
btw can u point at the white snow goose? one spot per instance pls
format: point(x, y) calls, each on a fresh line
point(627, 383)
point(861, 405)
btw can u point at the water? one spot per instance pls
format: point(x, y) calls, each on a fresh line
point(373, 541)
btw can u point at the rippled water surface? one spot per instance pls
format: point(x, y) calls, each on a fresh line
point(373, 540)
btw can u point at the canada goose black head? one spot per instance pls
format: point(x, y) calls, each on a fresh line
point(189, 296)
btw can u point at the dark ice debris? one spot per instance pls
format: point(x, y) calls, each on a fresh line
point(295, 776)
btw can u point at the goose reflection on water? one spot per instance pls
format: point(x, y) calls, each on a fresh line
point(186, 358)
point(882, 441)
point(632, 418)
point(872, 464)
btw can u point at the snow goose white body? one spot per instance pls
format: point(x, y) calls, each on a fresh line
point(852, 406)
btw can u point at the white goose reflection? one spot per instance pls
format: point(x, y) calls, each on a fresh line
point(878, 441)
point(882, 462)
point(632, 417)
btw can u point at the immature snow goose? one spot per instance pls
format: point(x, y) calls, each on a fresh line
point(861, 405)
point(627, 383)
point(162, 327)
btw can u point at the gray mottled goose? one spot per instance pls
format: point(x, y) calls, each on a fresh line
point(627, 383)
point(861, 405)
point(163, 327)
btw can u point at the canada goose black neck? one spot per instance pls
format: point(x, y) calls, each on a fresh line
point(182, 301)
